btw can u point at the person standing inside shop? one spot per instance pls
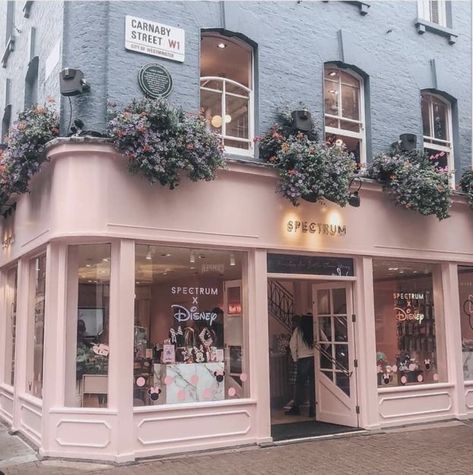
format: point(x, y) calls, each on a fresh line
point(302, 351)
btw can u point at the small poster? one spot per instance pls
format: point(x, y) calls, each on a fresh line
point(169, 354)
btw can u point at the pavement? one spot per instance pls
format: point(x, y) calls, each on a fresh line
point(442, 448)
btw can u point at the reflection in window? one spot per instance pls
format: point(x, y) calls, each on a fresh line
point(406, 344)
point(88, 325)
point(10, 331)
point(436, 124)
point(189, 332)
point(465, 288)
point(36, 326)
point(226, 90)
point(344, 111)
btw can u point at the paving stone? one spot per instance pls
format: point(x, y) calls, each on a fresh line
point(430, 449)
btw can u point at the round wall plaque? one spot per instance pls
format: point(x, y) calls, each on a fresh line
point(155, 80)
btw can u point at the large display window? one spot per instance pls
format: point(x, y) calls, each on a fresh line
point(408, 349)
point(465, 287)
point(36, 326)
point(10, 327)
point(190, 333)
point(88, 325)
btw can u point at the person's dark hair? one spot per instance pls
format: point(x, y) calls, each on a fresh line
point(307, 330)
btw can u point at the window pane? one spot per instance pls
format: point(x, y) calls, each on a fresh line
point(36, 326)
point(341, 357)
point(465, 288)
point(425, 107)
point(341, 331)
point(189, 332)
point(331, 97)
point(331, 122)
point(351, 126)
point(350, 102)
point(88, 330)
point(237, 144)
point(325, 329)
point(10, 331)
point(323, 302)
point(440, 119)
point(351, 144)
point(339, 301)
point(434, 11)
point(348, 79)
point(332, 74)
point(406, 345)
point(236, 117)
point(211, 107)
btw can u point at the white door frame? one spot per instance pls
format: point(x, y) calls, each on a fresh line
point(333, 404)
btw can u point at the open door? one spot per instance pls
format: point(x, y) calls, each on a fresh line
point(335, 376)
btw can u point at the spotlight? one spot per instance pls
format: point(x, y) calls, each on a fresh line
point(354, 198)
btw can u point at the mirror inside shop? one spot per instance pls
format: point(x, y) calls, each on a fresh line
point(189, 339)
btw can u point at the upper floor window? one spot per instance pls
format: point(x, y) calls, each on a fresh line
point(226, 90)
point(437, 130)
point(344, 111)
point(434, 11)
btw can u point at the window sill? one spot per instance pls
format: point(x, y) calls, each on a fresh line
point(424, 25)
point(362, 6)
point(10, 46)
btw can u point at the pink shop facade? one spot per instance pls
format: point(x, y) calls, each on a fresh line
point(138, 321)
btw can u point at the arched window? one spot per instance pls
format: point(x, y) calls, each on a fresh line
point(226, 90)
point(344, 111)
point(437, 129)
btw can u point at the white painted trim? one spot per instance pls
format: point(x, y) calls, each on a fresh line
point(417, 387)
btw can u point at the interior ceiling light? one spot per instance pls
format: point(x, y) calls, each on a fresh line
point(332, 73)
point(148, 255)
point(216, 121)
point(166, 254)
point(192, 258)
point(228, 118)
point(221, 45)
point(232, 259)
point(393, 268)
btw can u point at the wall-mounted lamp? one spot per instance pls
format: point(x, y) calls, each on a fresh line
point(354, 198)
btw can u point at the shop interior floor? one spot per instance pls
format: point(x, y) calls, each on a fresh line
point(311, 428)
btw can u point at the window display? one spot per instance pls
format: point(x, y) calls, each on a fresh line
point(88, 324)
point(36, 326)
point(10, 331)
point(189, 332)
point(405, 318)
point(465, 288)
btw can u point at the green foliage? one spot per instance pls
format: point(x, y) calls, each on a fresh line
point(413, 181)
point(160, 142)
point(307, 169)
point(466, 185)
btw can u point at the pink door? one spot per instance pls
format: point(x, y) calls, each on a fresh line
point(335, 359)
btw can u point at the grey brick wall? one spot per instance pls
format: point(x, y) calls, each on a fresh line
point(293, 40)
point(46, 18)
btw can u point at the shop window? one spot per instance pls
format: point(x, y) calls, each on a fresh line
point(465, 287)
point(189, 326)
point(88, 325)
point(35, 347)
point(226, 90)
point(10, 321)
point(434, 11)
point(344, 111)
point(408, 348)
point(437, 130)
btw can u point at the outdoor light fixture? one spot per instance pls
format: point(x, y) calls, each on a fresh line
point(354, 198)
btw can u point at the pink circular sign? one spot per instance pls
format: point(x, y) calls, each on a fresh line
point(207, 393)
point(194, 379)
point(140, 382)
point(168, 380)
point(181, 395)
point(243, 377)
point(231, 392)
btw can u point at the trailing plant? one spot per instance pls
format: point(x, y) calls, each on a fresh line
point(414, 181)
point(307, 169)
point(466, 185)
point(25, 147)
point(161, 142)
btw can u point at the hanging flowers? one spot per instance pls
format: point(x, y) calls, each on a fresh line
point(162, 142)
